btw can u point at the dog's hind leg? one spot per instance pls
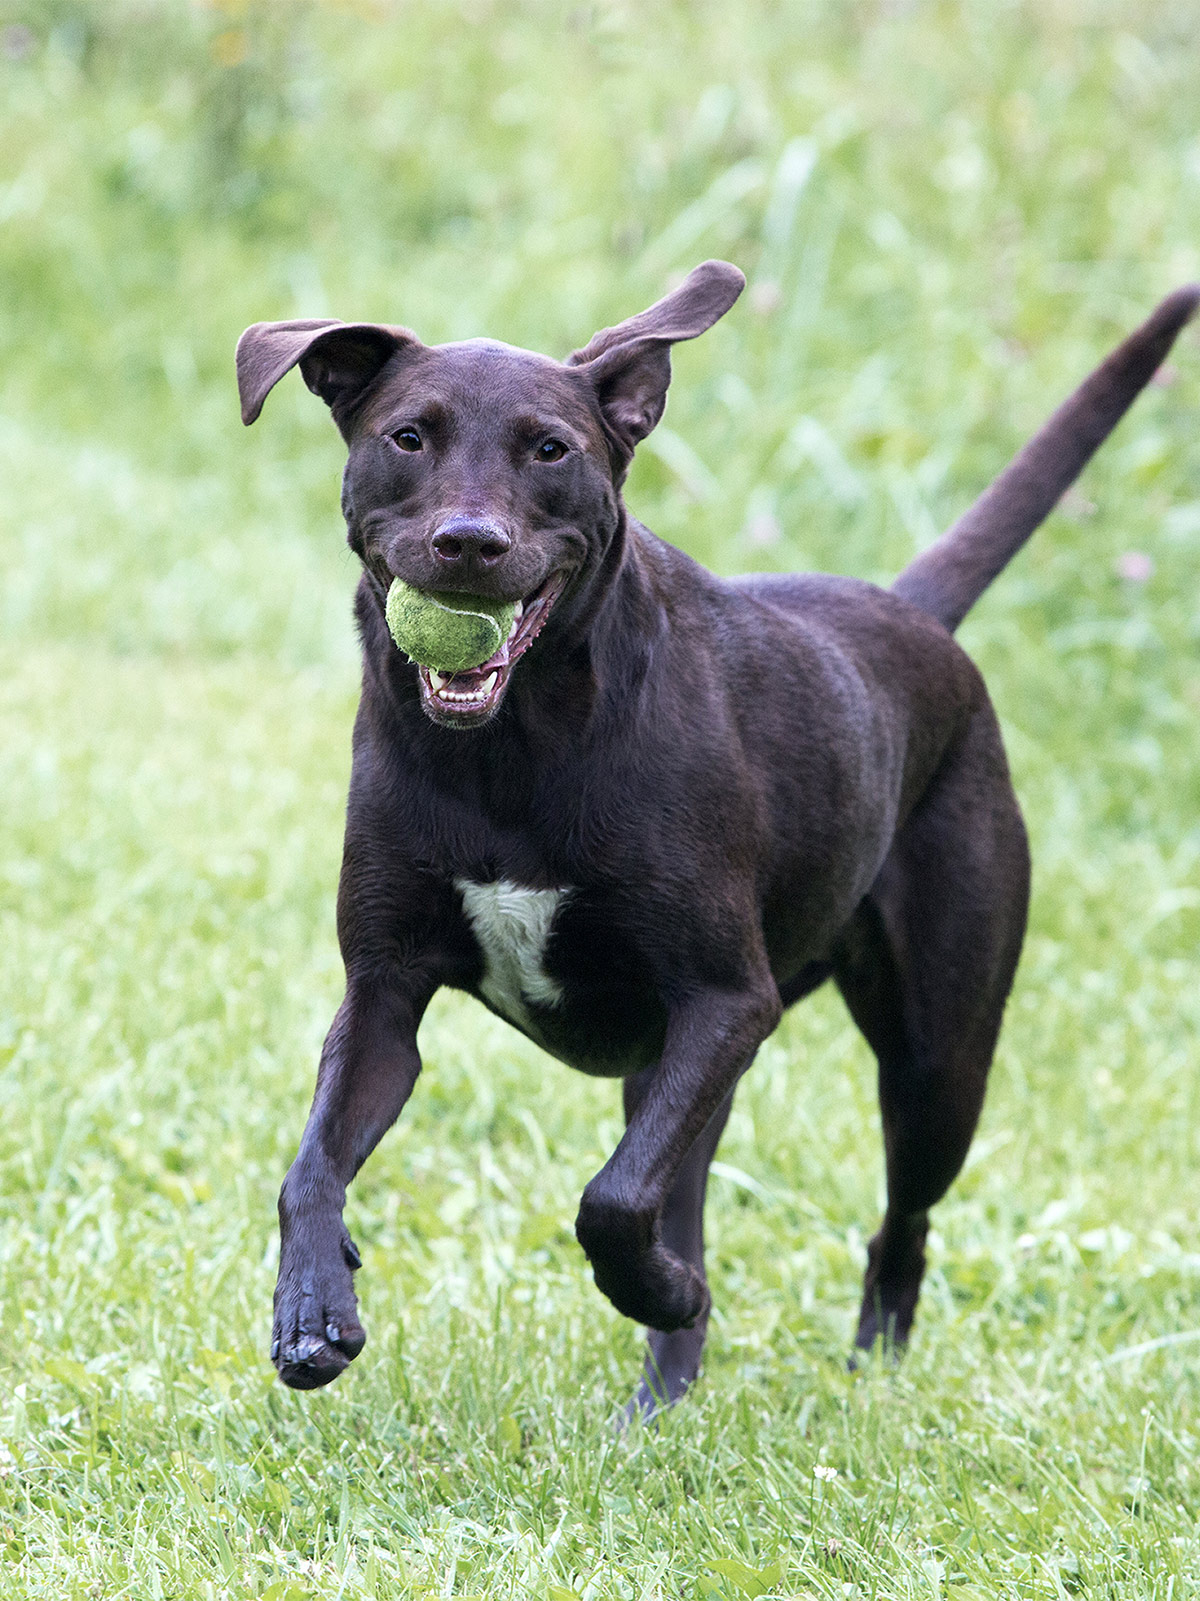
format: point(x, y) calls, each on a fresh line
point(673, 1360)
point(925, 968)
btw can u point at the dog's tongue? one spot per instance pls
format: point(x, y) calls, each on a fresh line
point(474, 676)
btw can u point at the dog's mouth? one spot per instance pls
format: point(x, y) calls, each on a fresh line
point(461, 700)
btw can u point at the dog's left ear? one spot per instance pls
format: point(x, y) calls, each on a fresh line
point(630, 365)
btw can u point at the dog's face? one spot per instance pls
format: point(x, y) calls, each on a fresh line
point(484, 469)
point(479, 468)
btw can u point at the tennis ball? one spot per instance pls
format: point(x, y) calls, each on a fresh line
point(450, 633)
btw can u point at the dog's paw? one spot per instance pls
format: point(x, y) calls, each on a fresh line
point(316, 1333)
point(672, 1365)
point(656, 1288)
point(895, 1265)
point(640, 1276)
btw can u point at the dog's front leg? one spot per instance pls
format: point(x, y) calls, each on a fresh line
point(369, 1065)
point(711, 1039)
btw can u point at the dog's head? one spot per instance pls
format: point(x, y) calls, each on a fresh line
point(484, 469)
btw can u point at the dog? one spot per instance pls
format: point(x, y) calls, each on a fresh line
point(668, 807)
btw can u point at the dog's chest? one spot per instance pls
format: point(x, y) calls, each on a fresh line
point(512, 925)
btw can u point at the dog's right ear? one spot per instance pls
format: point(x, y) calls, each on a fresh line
point(337, 359)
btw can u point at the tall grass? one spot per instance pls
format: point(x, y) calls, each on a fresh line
point(947, 213)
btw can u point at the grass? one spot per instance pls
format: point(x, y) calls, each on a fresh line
point(948, 212)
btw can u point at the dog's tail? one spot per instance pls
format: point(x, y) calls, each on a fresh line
point(947, 579)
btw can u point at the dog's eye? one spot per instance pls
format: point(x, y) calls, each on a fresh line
point(407, 438)
point(550, 450)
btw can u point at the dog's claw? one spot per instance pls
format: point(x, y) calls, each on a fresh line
point(310, 1360)
point(307, 1373)
point(275, 1348)
point(350, 1253)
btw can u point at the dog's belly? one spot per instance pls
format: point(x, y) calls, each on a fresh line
point(553, 970)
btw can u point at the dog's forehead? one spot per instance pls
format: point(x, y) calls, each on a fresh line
point(490, 352)
point(487, 376)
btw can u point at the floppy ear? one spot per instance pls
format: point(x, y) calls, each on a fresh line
point(630, 365)
point(337, 359)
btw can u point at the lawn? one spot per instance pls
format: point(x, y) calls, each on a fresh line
point(948, 213)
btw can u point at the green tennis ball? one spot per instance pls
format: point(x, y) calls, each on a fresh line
point(450, 633)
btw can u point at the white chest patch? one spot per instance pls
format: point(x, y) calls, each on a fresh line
point(512, 925)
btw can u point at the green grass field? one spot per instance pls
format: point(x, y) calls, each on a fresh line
point(948, 212)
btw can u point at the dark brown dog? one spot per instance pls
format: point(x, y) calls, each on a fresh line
point(668, 807)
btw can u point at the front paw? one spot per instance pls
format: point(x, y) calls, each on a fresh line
point(317, 1333)
point(656, 1288)
point(634, 1268)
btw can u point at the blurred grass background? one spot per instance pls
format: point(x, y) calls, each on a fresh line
point(947, 212)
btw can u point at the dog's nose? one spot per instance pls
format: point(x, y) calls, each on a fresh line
point(467, 541)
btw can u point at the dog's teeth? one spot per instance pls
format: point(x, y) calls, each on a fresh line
point(470, 697)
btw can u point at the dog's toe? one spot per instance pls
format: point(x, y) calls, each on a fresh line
point(309, 1356)
point(310, 1360)
point(322, 1366)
